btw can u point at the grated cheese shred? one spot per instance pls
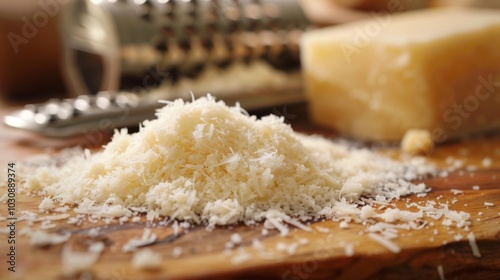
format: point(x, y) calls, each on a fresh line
point(147, 259)
point(389, 245)
point(75, 262)
point(473, 245)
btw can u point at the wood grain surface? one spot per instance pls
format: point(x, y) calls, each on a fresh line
point(204, 255)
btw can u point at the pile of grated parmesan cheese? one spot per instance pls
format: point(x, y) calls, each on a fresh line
point(207, 163)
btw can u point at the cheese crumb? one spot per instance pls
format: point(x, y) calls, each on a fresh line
point(455, 192)
point(303, 241)
point(441, 272)
point(75, 262)
point(147, 259)
point(489, 204)
point(42, 239)
point(46, 204)
point(241, 256)
point(458, 237)
point(235, 238)
point(417, 142)
point(322, 229)
point(177, 252)
point(147, 238)
point(486, 162)
point(368, 212)
point(349, 249)
point(290, 249)
point(473, 245)
point(344, 225)
point(389, 245)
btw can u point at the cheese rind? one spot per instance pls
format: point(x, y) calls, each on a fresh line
point(437, 70)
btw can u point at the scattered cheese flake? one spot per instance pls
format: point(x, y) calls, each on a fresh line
point(344, 225)
point(229, 245)
point(42, 239)
point(235, 238)
point(47, 224)
point(455, 192)
point(75, 262)
point(303, 241)
point(392, 215)
point(175, 227)
point(96, 247)
point(473, 245)
point(241, 256)
point(93, 232)
point(63, 209)
point(290, 249)
point(441, 272)
point(147, 238)
point(147, 259)
point(443, 173)
point(486, 162)
point(368, 212)
point(257, 244)
point(46, 204)
point(349, 249)
point(278, 219)
point(471, 168)
point(458, 237)
point(177, 252)
point(489, 204)
point(389, 245)
point(322, 229)
point(476, 188)
point(417, 141)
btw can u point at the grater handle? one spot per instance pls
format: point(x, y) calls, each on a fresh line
point(108, 110)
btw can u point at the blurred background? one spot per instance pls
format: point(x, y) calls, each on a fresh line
point(31, 51)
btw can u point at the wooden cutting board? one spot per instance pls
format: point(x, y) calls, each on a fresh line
point(323, 257)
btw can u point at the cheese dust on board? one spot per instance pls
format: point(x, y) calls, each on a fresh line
point(203, 162)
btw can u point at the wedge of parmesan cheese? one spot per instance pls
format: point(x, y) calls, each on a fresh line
point(437, 70)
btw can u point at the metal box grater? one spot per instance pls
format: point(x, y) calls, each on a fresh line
point(116, 51)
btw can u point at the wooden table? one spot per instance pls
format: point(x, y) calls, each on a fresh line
point(323, 257)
